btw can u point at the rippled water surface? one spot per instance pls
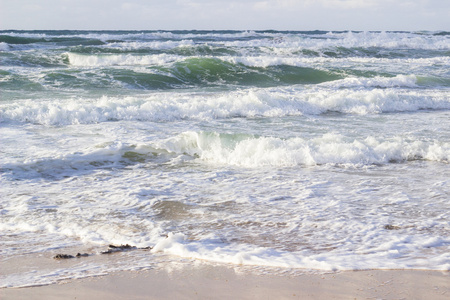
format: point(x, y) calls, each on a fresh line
point(297, 150)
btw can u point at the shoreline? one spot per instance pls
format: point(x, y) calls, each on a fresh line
point(225, 282)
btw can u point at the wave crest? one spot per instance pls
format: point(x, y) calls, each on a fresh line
point(250, 151)
point(275, 102)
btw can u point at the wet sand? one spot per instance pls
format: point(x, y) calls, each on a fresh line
point(225, 282)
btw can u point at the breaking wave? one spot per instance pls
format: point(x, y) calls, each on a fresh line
point(276, 102)
point(250, 151)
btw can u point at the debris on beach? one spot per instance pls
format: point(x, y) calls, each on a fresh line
point(391, 227)
point(63, 256)
point(121, 247)
point(67, 256)
point(111, 249)
point(114, 248)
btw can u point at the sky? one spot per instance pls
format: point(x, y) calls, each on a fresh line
point(225, 14)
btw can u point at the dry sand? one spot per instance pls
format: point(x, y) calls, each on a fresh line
point(225, 282)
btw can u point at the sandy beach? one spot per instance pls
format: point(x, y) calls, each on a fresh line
point(225, 282)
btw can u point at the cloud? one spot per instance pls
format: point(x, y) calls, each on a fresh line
point(226, 14)
point(349, 4)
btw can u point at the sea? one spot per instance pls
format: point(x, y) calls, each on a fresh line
point(271, 151)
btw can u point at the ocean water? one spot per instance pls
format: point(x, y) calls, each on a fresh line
point(285, 150)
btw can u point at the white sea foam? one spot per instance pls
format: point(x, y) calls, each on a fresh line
point(263, 61)
point(176, 244)
point(270, 60)
point(389, 40)
point(328, 149)
point(4, 46)
point(383, 82)
point(250, 103)
point(361, 40)
point(156, 45)
point(324, 228)
point(328, 220)
point(83, 60)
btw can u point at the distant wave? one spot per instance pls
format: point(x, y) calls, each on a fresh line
point(444, 33)
point(299, 40)
point(96, 60)
point(63, 41)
